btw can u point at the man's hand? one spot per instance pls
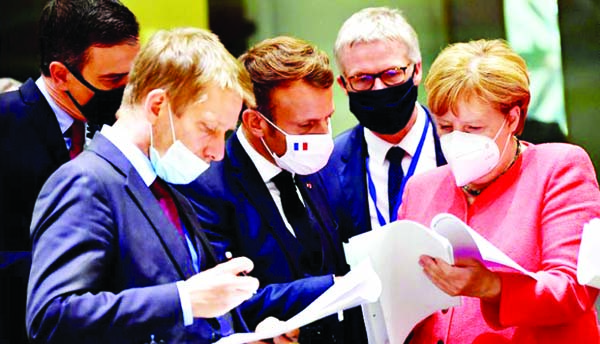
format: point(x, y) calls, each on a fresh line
point(287, 338)
point(216, 291)
point(467, 277)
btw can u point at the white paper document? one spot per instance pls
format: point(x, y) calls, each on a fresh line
point(588, 262)
point(407, 295)
point(361, 285)
point(468, 243)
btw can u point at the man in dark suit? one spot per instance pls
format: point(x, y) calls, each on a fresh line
point(87, 47)
point(378, 55)
point(247, 200)
point(118, 255)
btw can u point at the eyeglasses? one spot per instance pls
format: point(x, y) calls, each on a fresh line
point(390, 77)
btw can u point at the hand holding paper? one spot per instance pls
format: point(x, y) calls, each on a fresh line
point(361, 285)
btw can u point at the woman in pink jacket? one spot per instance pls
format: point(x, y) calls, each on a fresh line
point(531, 201)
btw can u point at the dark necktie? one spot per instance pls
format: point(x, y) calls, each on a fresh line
point(297, 216)
point(165, 199)
point(77, 134)
point(395, 176)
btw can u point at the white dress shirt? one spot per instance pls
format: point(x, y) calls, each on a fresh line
point(378, 165)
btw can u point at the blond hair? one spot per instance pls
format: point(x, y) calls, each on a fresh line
point(487, 69)
point(377, 24)
point(281, 60)
point(183, 62)
point(9, 84)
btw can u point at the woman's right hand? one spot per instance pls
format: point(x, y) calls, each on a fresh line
point(467, 277)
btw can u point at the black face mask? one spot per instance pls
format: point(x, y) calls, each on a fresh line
point(102, 107)
point(385, 111)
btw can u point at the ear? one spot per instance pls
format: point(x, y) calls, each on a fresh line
point(253, 122)
point(418, 73)
point(342, 83)
point(154, 102)
point(59, 75)
point(513, 117)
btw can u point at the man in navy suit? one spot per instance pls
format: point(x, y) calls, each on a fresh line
point(378, 55)
point(87, 47)
point(271, 163)
point(118, 255)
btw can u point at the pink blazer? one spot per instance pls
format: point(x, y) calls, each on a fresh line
point(535, 213)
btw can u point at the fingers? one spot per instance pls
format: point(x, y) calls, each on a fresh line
point(288, 338)
point(234, 266)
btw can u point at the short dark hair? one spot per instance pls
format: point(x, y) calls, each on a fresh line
point(69, 27)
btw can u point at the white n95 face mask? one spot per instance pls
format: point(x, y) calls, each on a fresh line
point(304, 154)
point(179, 165)
point(470, 156)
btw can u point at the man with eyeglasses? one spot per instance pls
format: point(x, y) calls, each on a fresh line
point(378, 55)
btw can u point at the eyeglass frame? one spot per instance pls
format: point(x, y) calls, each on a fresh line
point(376, 76)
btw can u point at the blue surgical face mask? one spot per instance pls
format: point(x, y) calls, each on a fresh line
point(178, 165)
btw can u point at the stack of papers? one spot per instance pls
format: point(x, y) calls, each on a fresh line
point(408, 296)
point(359, 286)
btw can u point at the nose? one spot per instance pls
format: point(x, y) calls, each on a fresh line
point(215, 149)
point(378, 84)
point(323, 126)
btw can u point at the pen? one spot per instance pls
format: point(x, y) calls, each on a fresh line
point(229, 256)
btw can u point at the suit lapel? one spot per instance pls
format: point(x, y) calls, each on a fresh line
point(205, 251)
point(44, 121)
point(148, 206)
point(256, 192)
point(352, 181)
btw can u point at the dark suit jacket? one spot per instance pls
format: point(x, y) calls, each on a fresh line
point(345, 174)
point(235, 206)
point(106, 259)
point(31, 147)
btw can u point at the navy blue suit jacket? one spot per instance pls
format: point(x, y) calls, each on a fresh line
point(31, 148)
point(239, 214)
point(346, 180)
point(106, 259)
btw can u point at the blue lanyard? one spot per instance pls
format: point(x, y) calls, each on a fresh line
point(409, 173)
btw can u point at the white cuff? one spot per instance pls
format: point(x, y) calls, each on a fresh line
point(186, 304)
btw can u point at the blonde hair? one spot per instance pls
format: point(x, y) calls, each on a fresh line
point(487, 69)
point(281, 60)
point(377, 24)
point(183, 61)
point(9, 84)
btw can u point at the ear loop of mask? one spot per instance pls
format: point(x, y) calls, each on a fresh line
point(507, 140)
point(274, 126)
point(171, 122)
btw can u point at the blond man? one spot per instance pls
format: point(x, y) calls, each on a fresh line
point(377, 52)
point(118, 256)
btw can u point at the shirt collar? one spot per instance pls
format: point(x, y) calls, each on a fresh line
point(378, 148)
point(64, 119)
point(266, 169)
point(136, 157)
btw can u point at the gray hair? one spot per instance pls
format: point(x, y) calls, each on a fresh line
point(376, 24)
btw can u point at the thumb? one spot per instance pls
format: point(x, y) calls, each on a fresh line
point(235, 266)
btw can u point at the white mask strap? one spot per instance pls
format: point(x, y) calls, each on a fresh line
point(171, 120)
point(272, 124)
